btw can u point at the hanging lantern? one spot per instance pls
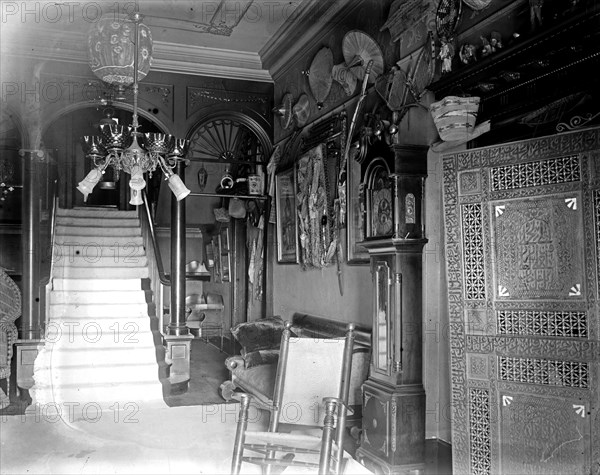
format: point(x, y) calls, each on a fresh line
point(112, 45)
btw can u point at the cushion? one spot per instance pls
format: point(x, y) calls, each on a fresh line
point(262, 334)
point(258, 380)
point(261, 357)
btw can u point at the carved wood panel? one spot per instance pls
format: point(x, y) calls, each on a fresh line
point(523, 259)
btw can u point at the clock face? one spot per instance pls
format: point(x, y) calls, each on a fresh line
point(382, 212)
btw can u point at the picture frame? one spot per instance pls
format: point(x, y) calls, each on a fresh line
point(355, 230)
point(287, 218)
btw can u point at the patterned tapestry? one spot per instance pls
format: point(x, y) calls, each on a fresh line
point(315, 220)
point(522, 225)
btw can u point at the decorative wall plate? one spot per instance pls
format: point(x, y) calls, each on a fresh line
point(448, 17)
point(358, 49)
point(319, 75)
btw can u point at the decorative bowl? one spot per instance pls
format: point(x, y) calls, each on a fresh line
point(157, 142)
point(115, 136)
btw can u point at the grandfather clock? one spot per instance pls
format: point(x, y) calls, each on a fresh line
point(393, 190)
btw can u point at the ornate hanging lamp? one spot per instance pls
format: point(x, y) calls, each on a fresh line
point(121, 54)
point(112, 49)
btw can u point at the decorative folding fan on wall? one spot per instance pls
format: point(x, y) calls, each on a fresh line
point(301, 110)
point(358, 49)
point(319, 75)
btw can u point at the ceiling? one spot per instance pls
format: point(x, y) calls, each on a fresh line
point(217, 37)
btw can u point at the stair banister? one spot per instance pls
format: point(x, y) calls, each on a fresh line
point(161, 273)
point(46, 280)
point(158, 276)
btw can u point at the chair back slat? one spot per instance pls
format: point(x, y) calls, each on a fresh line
point(313, 372)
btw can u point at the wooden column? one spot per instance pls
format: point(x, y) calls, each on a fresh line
point(177, 324)
point(178, 338)
point(31, 324)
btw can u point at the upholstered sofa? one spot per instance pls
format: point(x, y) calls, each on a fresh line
point(10, 310)
point(253, 371)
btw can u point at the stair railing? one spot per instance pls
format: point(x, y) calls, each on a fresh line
point(46, 281)
point(158, 278)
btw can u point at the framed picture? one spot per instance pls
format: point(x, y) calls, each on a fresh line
point(287, 221)
point(355, 233)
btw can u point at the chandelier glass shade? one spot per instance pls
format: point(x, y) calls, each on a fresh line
point(122, 147)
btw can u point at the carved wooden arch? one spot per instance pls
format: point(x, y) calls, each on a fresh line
point(235, 119)
point(115, 105)
point(10, 120)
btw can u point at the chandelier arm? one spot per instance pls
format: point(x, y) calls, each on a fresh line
point(102, 163)
point(166, 169)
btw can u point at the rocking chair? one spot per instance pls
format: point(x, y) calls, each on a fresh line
point(311, 390)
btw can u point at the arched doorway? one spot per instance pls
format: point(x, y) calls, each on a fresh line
point(235, 144)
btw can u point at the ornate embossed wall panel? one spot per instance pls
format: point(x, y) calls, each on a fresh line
point(522, 223)
point(542, 432)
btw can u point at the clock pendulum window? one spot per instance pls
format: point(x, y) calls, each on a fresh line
point(393, 183)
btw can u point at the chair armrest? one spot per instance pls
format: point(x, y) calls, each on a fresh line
point(339, 402)
point(233, 362)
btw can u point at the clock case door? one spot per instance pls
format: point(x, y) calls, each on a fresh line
point(392, 189)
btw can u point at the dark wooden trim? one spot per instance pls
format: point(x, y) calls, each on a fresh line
point(325, 328)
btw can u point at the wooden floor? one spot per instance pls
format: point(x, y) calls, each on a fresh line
point(207, 373)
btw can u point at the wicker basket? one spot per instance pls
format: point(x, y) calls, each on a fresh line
point(477, 4)
point(455, 116)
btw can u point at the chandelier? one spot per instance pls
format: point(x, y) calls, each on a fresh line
point(115, 48)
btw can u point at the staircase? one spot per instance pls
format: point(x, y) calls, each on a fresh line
point(103, 351)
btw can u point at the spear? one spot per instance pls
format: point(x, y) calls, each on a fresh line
point(340, 202)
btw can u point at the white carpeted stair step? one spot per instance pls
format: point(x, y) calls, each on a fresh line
point(77, 356)
point(104, 321)
point(99, 222)
point(62, 230)
point(92, 248)
point(103, 395)
point(88, 212)
point(107, 311)
point(66, 336)
point(98, 297)
point(77, 285)
point(103, 241)
point(108, 373)
point(85, 260)
point(93, 272)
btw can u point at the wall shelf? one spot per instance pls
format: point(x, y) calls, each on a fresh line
point(223, 195)
point(203, 276)
point(520, 84)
